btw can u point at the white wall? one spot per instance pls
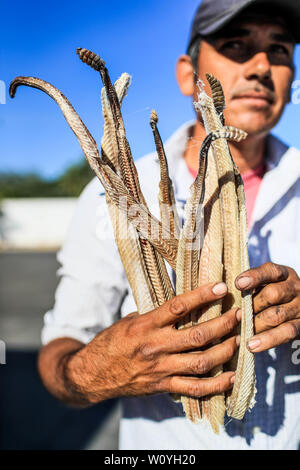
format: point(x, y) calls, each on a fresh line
point(34, 224)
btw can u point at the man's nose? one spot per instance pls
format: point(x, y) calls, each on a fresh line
point(258, 67)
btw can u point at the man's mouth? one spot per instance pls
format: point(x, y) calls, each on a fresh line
point(256, 97)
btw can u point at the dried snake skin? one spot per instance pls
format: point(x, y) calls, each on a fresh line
point(210, 247)
point(234, 223)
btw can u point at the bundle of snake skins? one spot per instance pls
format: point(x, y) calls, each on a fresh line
point(210, 247)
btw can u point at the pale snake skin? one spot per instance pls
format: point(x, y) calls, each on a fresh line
point(236, 260)
point(222, 253)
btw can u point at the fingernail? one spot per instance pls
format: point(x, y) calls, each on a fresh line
point(254, 344)
point(244, 282)
point(220, 289)
point(232, 380)
point(239, 314)
point(238, 340)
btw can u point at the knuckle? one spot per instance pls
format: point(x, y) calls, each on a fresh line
point(280, 271)
point(296, 287)
point(195, 390)
point(201, 366)
point(292, 330)
point(132, 315)
point(198, 336)
point(148, 352)
point(288, 291)
point(231, 348)
point(271, 295)
point(295, 311)
point(293, 273)
point(268, 266)
point(201, 388)
point(134, 324)
point(228, 323)
point(159, 386)
point(177, 306)
point(170, 385)
point(277, 271)
point(218, 387)
point(274, 317)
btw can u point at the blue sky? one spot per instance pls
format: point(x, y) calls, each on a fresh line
point(143, 38)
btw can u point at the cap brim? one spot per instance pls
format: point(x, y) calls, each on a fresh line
point(292, 7)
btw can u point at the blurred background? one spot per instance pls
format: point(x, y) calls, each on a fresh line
point(42, 172)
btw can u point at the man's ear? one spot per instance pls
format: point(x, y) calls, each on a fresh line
point(185, 75)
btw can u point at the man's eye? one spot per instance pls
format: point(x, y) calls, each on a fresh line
point(235, 50)
point(279, 49)
point(235, 45)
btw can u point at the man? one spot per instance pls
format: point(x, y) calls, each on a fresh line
point(89, 357)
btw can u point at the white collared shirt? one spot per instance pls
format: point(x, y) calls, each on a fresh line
point(94, 290)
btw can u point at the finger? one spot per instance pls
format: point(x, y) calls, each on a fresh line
point(265, 274)
point(180, 306)
point(275, 316)
point(275, 337)
point(205, 333)
point(202, 362)
point(274, 294)
point(194, 387)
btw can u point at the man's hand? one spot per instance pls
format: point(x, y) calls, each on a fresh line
point(146, 354)
point(276, 304)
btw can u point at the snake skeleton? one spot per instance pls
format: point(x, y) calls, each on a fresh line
point(210, 247)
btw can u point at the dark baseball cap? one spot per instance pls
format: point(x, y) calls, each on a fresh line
point(213, 15)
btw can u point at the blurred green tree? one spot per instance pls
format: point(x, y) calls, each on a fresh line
point(74, 179)
point(69, 184)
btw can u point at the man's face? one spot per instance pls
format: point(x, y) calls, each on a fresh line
point(254, 63)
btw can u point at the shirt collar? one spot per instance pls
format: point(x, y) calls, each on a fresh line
point(283, 169)
point(275, 149)
point(175, 146)
point(283, 172)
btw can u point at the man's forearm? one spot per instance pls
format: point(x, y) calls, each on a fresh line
point(53, 368)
